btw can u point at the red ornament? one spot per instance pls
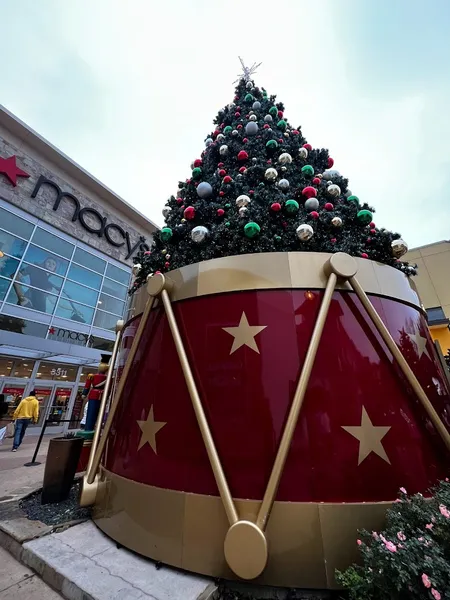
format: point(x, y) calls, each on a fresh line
point(239, 126)
point(373, 231)
point(247, 116)
point(238, 108)
point(220, 212)
point(294, 132)
point(316, 181)
point(222, 172)
point(269, 162)
point(179, 200)
point(284, 224)
point(330, 162)
point(307, 146)
point(369, 240)
point(189, 213)
point(245, 140)
point(276, 206)
point(167, 265)
point(333, 240)
point(242, 155)
point(236, 98)
point(329, 206)
point(309, 192)
point(9, 168)
point(280, 140)
point(147, 253)
point(227, 179)
point(237, 114)
point(242, 169)
point(251, 192)
point(314, 214)
point(364, 255)
point(280, 114)
point(188, 180)
point(221, 193)
point(198, 162)
point(372, 225)
point(266, 126)
point(216, 133)
point(157, 272)
point(221, 164)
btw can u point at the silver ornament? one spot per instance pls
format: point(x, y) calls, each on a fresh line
point(199, 234)
point(254, 159)
point(270, 129)
point(166, 211)
point(249, 85)
point(284, 169)
point(208, 142)
point(331, 174)
point(399, 248)
point(251, 128)
point(268, 119)
point(334, 190)
point(137, 267)
point(223, 150)
point(348, 193)
point(283, 184)
point(286, 134)
point(243, 211)
point(251, 113)
point(167, 256)
point(239, 176)
point(271, 174)
point(285, 158)
point(336, 221)
point(253, 118)
point(231, 106)
point(235, 132)
point(304, 232)
point(242, 200)
point(204, 190)
point(220, 137)
point(311, 204)
point(256, 105)
point(303, 153)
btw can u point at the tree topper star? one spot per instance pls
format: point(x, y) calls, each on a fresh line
point(247, 72)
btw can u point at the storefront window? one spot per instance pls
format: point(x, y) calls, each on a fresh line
point(39, 278)
point(8, 266)
point(6, 366)
point(11, 245)
point(114, 289)
point(84, 276)
point(53, 243)
point(105, 320)
point(16, 325)
point(117, 274)
point(32, 298)
point(15, 224)
point(46, 260)
point(111, 304)
point(22, 368)
point(80, 293)
point(99, 343)
point(75, 312)
point(57, 371)
point(86, 259)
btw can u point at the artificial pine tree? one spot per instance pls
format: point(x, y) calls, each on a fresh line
point(260, 187)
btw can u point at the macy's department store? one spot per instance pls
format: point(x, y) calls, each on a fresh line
point(66, 249)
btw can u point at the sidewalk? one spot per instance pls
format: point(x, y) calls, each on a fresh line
point(19, 583)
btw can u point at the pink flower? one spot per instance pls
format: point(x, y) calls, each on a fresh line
point(429, 525)
point(436, 595)
point(359, 542)
point(403, 491)
point(426, 580)
point(444, 512)
point(401, 536)
point(391, 547)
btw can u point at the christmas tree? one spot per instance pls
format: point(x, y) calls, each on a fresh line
point(260, 187)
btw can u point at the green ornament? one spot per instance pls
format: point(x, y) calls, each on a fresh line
point(307, 170)
point(227, 224)
point(277, 238)
point(165, 234)
point(364, 216)
point(281, 124)
point(291, 206)
point(251, 229)
point(273, 111)
point(354, 199)
point(228, 129)
point(248, 98)
point(197, 173)
point(261, 184)
point(272, 144)
point(227, 205)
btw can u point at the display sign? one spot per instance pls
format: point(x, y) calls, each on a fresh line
point(63, 392)
point(13, 390)
point(43, 391)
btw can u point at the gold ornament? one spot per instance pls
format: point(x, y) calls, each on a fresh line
point(334, 190)
point(244, 334)
point(303, 153)
point(285, 158)
point(304, 232)
point(399, 248)
point(242, 200)
point(149, 429)
point(243, 211)
point(369, 437)
point(336, 221)
point(271, 174)
point(137, 267)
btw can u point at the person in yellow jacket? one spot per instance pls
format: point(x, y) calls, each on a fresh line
point(27, 411)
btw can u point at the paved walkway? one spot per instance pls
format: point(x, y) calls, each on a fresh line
point(19, 583)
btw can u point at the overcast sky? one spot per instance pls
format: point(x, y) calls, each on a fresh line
point(129, 89)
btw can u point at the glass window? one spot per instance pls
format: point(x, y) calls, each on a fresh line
point(6, 366)
point(56, 371)
point(8, 266)
point(30, 298)
point(52, 242)
point(22, 368)
point(99, 343)
point(118, 274)
point(15, 224)
point(114, 289)
point(111, 304)
point(105, 320)
point(89, 260)
point(4, 286)
point(75, 291)
point(46, 260)
point(17, 325)
point(39, 278)
point(75, 312)
point(435, 314)
point(84, 276)
point(11, 245)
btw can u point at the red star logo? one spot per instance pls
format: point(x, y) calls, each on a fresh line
point(9, 168)
point(51, 330)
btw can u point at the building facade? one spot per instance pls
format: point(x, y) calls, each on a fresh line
point(433, 284)
point(66, 249)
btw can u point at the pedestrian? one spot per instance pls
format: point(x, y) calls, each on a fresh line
point(27, 411)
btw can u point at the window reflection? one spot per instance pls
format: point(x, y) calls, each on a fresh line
point(11, 245)
point(84, 276)
point(111, 304)
point(15, 224)
point(4, 286)
point(114, 289)
point(74, 311)
point(22, 368)
point(75, 291)
point(16, 325)
point(32, 298)
point(89, 260)
point(117, 274)
point(8, 266)
point(46, 260)
point(105, 320)
point(52, 242)
point(39, 278)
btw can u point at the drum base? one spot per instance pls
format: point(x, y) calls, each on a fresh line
point(307, 542)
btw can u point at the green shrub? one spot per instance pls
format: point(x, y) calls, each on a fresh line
point(410, 559)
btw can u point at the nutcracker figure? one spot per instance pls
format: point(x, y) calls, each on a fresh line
point(93, 390)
